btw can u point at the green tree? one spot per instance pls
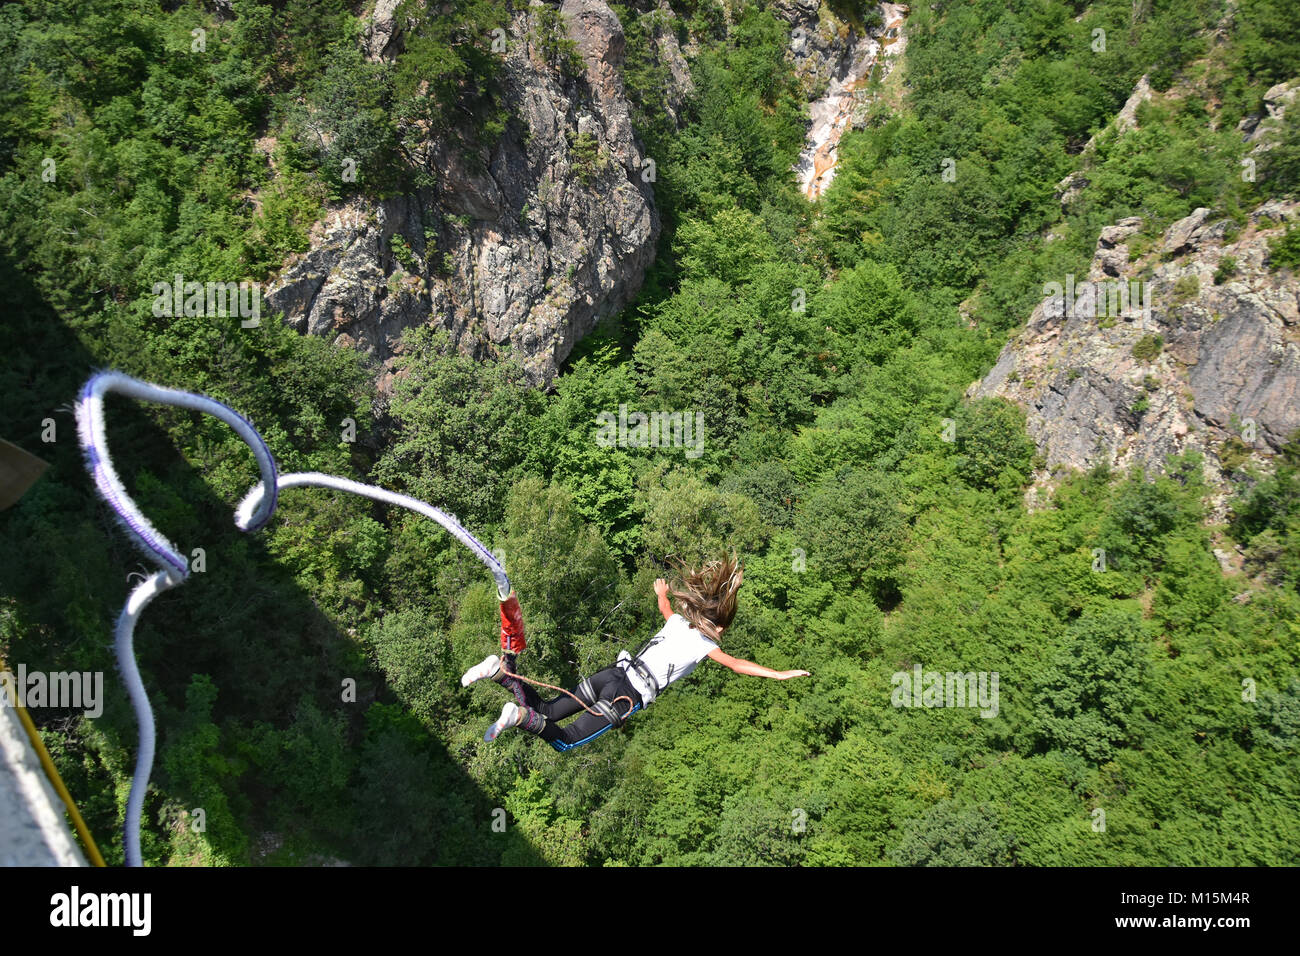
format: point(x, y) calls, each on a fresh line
point(949, 834)
point(992, 449)
point(461, 428)
point(1090, 694)
point(854, 530)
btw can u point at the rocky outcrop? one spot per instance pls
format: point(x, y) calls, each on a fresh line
point(523, 246)
point(382, 31)
point(680, 85)
point(1127, 116)
point(834, 61)
point(1200, 351)
point(665, 50)
point(1257, 129)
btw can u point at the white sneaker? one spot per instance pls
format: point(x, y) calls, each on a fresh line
point(488, 668)
point(510, 717)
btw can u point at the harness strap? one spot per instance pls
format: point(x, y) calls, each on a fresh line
point(647, 675)
point(643, 671)
point(610, 713)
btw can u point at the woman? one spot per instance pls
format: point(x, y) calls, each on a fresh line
point(610, 696)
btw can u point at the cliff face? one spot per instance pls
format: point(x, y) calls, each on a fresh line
point(1193, 344)
point(1213, 364)
point(524, 247)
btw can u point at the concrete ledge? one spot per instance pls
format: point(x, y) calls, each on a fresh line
point(33, 829)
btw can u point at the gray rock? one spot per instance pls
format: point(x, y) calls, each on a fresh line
point(1279, 97)
point(1127, 117)
point(834, 61)
point(1247, 371)
point(1229, 366)
point(381, 39)
point(1182, 234)
point(680, 84)
point(1069, 188)
point(1112, 236)
point(523, 247)
point(1262, 131)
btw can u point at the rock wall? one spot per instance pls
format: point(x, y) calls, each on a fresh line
point(1222, 378)
point(522, 248)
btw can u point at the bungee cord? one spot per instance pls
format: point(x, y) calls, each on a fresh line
point(94, 445)
point(252, 514)
point(256, 496)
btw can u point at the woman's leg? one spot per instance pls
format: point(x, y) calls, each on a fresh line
point(512, 643)
point(525, 695)
point(610, 685)
point(529, 712)
point(588, 692)
point(607, 685)
point(557, 708)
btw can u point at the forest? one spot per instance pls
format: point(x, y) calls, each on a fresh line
point(1148, 713)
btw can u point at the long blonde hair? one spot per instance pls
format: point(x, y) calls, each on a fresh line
point(708, 594)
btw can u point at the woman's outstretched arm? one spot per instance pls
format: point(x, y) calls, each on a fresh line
point(665, 606)
point(742, 666)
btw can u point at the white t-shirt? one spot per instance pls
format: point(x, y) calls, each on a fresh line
point(672, 654)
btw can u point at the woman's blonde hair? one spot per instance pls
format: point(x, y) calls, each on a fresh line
point(708, 594)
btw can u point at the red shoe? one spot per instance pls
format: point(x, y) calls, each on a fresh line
point(512, 626)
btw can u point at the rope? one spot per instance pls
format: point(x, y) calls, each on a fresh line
point(90, 432)
point(253, 513)
point(52, 774)
point(537, 683)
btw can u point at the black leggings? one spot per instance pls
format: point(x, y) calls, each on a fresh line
point(608, 685)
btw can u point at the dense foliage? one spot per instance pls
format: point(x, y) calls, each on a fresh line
point(306, 683)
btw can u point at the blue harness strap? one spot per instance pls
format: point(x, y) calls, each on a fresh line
point(563, 745)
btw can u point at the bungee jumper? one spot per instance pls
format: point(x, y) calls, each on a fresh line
point(610, 696)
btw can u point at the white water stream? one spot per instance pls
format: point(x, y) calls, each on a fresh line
point(832, 113)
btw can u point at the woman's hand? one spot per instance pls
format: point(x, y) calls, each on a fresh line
point(665, 606)
point(786, 675)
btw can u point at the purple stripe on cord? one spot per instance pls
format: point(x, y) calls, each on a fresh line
point(150, 540)
point(144, 535)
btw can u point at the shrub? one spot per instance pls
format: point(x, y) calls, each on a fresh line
point(1148, 347)
point(1284, 251)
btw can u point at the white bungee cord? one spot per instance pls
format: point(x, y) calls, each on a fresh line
point(301, 479)
point(252, 514)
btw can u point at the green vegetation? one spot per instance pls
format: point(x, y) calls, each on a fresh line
point(880, 514)
point(552, 42)
point(1186, 288)
point(402, 251)
point(1148, 348)
point(588, 157)
point(1284, 251)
